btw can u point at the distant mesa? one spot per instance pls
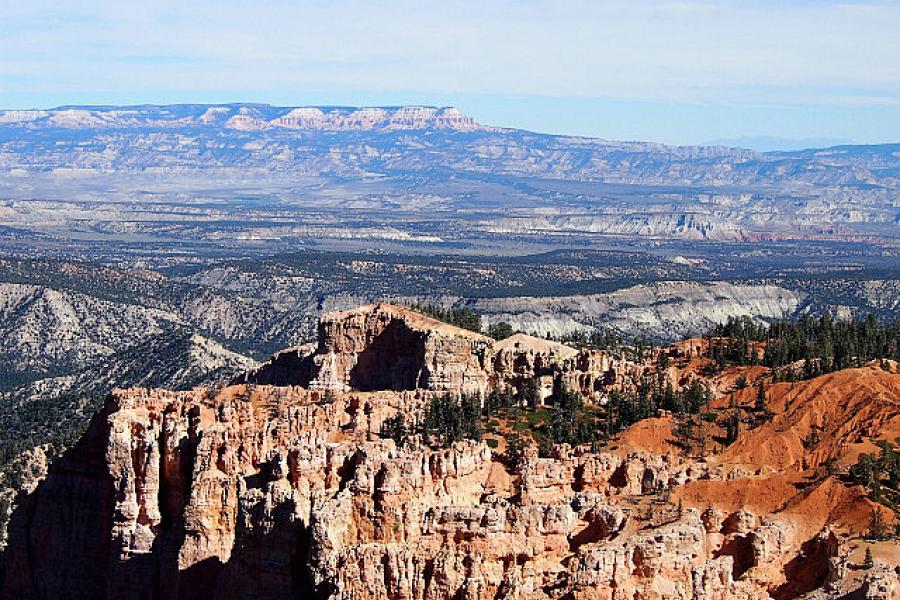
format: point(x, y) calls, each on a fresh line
point(765, 143)
point(246, 117)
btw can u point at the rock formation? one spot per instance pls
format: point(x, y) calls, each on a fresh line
point(277, 492)
point(251, 117)
point(387, 347)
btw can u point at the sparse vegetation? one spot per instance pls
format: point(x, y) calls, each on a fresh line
point(879, 474)
point(450, 419)
point(460, 317)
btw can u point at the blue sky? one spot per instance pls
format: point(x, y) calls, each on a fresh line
point(677, 71)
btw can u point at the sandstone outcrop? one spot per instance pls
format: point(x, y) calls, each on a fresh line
point(388, 347)
point(553, 366)
point(280, 492)
point(286, 491)
point(820, 420)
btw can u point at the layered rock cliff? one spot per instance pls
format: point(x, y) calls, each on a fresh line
point(273, 492)
point(249, 117)
point(387, 347)
point(382, 346)
point(660, 310)
point(276, 492)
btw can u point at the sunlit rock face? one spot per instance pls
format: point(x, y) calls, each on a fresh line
point(273, 493)
point(282, 492)
point(290, 491)
point(388, 347)
point(385, 347)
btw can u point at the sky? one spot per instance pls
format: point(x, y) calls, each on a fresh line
point(673, 71)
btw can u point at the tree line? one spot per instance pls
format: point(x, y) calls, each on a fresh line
point(460, 317)
point(824, 344)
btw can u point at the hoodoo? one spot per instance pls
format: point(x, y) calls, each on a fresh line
point(305, 489)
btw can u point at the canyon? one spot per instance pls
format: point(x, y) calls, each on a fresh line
point(153, 259)
point(283, 485)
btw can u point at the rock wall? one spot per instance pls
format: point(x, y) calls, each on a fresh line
point(277, 493)
point(388, 347)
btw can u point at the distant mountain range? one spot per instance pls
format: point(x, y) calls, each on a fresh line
point(766, 143)
point(336, 153)
point(245, 117)
point(260, 117)
point(357, 142)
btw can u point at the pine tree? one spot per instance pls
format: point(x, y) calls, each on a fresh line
point(761, 405)
point(732, 428)
point(531, 394)
point(395, 428)
point(500, 331)
point(876, 525)
point(868, 561)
